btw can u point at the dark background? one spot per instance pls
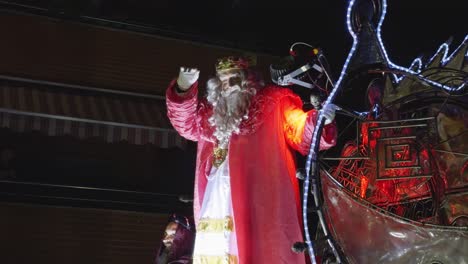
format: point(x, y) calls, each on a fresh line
point(411, 28)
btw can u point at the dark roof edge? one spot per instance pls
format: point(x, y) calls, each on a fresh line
point(146, 30)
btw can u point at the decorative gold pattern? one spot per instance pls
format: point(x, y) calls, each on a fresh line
point(227, 259)
point(219, 155)
point(215, 225)
point(236, 62)
point(231, 63)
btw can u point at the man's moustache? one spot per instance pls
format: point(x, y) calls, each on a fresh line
point(230, 90)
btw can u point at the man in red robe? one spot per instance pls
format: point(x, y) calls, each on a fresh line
point(250, 132)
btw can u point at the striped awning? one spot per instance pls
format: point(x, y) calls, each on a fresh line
point(113, 117)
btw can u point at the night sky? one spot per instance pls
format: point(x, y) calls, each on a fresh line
point(411, 28)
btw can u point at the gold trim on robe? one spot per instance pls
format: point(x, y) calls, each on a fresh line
point(215, 225)
point(227, 259)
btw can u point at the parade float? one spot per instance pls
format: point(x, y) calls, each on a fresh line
point(396, 191)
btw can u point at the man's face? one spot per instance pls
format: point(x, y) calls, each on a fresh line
point(315, 101)
point(169, 234)
point(230, 81)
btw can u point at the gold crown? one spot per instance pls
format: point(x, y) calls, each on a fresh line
point(233, 63)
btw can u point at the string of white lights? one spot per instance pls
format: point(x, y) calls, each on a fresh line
point(416, 63)
point(312, 156)
point(442, 48)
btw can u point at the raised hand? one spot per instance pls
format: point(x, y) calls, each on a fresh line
point(187, 77)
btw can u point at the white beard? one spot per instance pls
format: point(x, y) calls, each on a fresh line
point(230, 108)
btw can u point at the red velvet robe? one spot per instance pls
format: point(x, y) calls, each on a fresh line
point(265, 193)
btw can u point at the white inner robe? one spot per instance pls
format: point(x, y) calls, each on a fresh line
point(215, 240)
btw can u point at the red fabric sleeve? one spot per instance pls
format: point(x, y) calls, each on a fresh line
point(299, 127)
point(182, 111)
